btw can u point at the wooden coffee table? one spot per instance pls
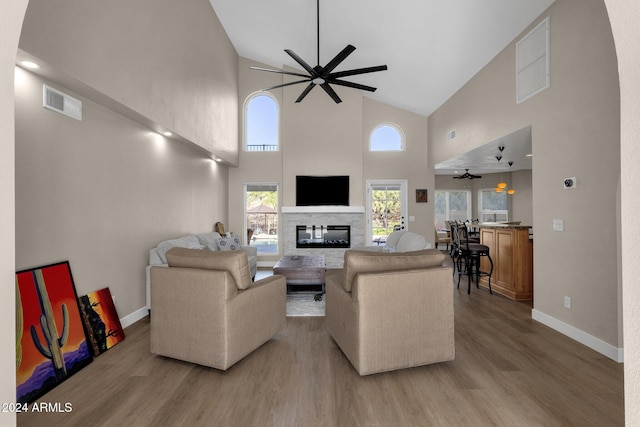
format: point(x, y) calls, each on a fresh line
point(302, 270)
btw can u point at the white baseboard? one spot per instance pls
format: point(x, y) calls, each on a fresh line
point(614, 353)
point(134, 317)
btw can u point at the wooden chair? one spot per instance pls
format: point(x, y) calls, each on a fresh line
point(442, 237)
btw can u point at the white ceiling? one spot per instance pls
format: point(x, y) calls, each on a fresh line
point(432, 47)
point(517, 149)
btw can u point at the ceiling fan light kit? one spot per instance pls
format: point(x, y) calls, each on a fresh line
point(324, 76)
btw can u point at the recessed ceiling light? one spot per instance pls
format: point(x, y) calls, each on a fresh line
point(167, 133)
point(29, 64)
point(529, 155)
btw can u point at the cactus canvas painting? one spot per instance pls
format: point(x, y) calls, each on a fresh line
point(52, 343)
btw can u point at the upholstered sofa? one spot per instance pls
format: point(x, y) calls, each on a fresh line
point(207, 310)
point(204, 241)
point(400, 241)
point(390, 311)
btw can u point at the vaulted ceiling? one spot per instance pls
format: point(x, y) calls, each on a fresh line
point(432, 47)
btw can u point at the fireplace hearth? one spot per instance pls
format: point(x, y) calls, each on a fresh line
point(323, 236)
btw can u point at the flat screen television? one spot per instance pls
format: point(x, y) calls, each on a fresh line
point(322, 190)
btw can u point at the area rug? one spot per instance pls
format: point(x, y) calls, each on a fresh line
point(303, 304)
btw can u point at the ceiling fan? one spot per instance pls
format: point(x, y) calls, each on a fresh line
point(324, 76)
point(467, 175)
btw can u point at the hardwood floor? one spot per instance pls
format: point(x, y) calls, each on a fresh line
point(509, 371)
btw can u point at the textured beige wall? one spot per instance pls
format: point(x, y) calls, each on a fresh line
point(166, 60)
point(522, 200)
point(575, 132)
point(113, 189)
point(10, 24)
point(321, 137)
point(624, 22)
point(101, 192)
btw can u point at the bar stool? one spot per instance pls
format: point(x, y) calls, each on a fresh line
point(467, 258)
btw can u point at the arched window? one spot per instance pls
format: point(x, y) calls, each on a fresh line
point(261, 122)
point(386, 137)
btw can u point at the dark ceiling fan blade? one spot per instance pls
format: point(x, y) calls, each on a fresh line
point(339, 58)
point(324, 76)
point(279, 71)
point(305, 92)
point(351, 84)
point(300, 61)
point(332, 93)
point(288, 84)
point(357, 71)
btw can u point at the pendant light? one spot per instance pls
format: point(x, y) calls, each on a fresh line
point(502, 185)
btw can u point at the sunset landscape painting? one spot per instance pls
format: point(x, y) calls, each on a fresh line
point(101, 320)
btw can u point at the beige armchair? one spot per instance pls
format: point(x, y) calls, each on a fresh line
point(206, 309)
point(389, 311)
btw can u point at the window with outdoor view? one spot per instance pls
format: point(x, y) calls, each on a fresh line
point(492, 206)
point(261, 216)
point(386, 137)
point(451, 205)
point(261, 122)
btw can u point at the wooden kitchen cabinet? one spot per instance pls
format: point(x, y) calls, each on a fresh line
point(512, 253)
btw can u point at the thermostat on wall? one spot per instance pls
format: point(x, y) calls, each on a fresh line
point(570, 182)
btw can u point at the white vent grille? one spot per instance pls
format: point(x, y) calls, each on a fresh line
point(55, 100)
point(451, 135)
point(532, 62)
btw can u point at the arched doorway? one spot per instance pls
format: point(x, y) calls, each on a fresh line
point(623, 13)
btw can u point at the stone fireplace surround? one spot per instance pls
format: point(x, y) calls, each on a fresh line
point(319, 215)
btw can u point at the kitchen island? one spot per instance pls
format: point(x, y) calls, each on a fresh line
point(511, 249)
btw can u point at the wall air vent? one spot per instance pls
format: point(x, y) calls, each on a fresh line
point(532, 62)
point(55, 100)
point(451, 135)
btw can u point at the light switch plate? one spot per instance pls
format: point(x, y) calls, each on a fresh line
point(558, 225)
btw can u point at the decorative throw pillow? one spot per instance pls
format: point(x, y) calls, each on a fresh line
point(229, 243)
